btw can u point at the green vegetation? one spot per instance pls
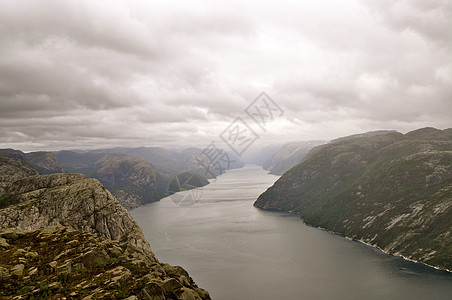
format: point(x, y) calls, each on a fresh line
point(133, 181)
point(390, 190)
point(6, 200)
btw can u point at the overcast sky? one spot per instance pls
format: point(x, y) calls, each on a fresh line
point(91, 74)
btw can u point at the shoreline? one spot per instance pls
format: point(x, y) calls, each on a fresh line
point(380, 249)
point(356, 240)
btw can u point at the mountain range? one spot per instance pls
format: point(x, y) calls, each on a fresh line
point(135, 176)
point(42, 161)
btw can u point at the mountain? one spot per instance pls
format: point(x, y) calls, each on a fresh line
point(288, 156)
point(389, 190)
point(132, 180)
point(160, 158)
point(362, 135)
point(170, 163)
point(63, 235)
point(43, 162)
point(13, 169)
point(195, 162)
point(265, 154)
point(130, 175)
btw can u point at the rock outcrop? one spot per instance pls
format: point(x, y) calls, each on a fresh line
point(389, 190)
point(64, 235)
point(60, 262)
point(69, 200)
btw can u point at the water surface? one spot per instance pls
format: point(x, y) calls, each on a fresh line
point(236, 251)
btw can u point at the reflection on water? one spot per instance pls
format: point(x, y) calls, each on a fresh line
point(236, 251)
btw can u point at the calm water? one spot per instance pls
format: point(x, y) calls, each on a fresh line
point(236, 251)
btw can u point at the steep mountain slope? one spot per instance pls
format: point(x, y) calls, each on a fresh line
point(100, 251)
point(132, 180)
point(13, 169)
point(43, 162)
point(393, 191)
point(69, 200)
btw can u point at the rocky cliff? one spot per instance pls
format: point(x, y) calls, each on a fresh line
point(102, 243)
point(68, 200)
point(389, 190)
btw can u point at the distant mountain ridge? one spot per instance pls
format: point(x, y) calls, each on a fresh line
point(389, 190)
point(42, 161)
point(135, 176)
point(174, 162)
point(131, 179)
point(160, 158)
point(288, 156)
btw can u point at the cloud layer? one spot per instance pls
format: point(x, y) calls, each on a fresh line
point(85, 74)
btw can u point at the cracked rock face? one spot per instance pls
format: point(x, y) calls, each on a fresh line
point(69, 200)
point(60, 262)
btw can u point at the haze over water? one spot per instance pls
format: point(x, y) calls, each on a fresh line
point(236, 251)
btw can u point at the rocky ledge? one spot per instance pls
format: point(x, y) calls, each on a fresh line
point(63, 263)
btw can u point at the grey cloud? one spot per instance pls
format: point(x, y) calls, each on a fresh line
point(428, 18)
point(109, 27)
point(90, 73)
